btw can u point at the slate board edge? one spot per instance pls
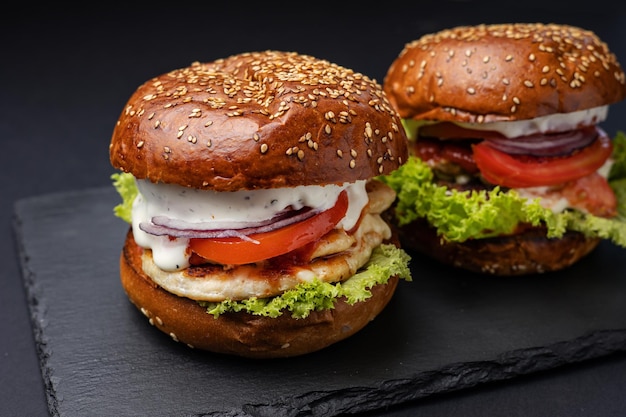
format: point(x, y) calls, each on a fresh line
point(37, 317)
point(447, 379)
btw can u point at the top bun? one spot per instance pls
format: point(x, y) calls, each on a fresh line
point(503, 72)
point(258, 120)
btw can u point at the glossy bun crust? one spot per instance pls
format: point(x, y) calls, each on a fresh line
point(525, 253)
point(258, 120)
point(243, 334)
point(489, 73)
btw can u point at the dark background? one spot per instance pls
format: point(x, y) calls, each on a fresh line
point(66, 74)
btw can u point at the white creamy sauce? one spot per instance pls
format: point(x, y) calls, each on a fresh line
point(552, 123)
point(558, 122)
point(193, 205)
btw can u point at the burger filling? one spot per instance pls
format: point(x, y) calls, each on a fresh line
point(336, 229)
point(559, 172)
point(166, 217)
point(564, 159)
point(336, 256)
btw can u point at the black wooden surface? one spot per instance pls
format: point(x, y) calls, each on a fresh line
point(444, 331)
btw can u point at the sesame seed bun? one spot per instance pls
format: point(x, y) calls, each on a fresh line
point(243, 334)
point(503, 72)
point(258, 120)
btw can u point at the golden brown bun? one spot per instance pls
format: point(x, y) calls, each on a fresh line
point(504, 72)
point(526, 253)
point(240, 333)
point(258, 120)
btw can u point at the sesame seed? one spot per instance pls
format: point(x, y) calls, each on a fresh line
point(368, 130)
point(264, 148)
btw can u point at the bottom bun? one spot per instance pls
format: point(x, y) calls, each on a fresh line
point(241, 333)
point(526, 253)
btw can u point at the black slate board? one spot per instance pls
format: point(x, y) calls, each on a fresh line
point(447, 330)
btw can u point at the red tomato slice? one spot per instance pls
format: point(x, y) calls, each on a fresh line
point(527, 171)
point(235, 251)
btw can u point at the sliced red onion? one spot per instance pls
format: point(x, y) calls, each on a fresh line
point(157, 230)
point(547, 144)
point(163, 225)
point(222, 225)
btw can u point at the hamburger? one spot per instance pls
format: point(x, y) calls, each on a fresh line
point(510, 172)
point(252, 189)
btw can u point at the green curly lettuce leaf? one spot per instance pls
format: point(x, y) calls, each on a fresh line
point(386, 261)
point(461, 215)
point(126, 187)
